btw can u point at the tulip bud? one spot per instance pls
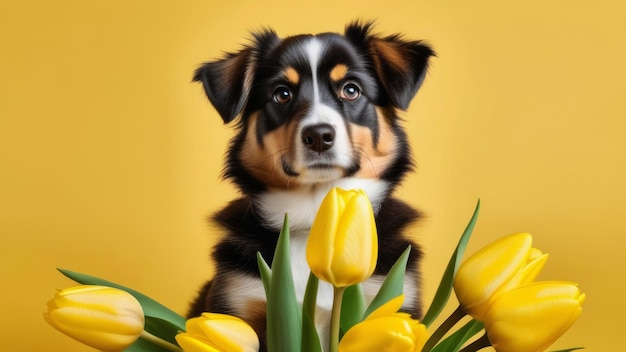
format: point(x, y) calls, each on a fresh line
point(102, 317)
point(343, 246)
point(532, 317)
point(213, 332)
point(495, 269)
point(386, 330)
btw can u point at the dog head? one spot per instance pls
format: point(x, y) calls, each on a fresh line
point(315, 109)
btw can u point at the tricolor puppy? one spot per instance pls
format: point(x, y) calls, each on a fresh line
point(312, 112)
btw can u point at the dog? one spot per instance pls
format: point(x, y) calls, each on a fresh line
point(311, 112)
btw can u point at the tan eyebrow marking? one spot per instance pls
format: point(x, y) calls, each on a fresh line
point(292, 75)
point(338, 72)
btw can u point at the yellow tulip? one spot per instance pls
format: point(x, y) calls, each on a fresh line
point(343, 245)
point(385, 330)
point(102, 317)
point(532, 317)
point(213, 332)
point(501, 266)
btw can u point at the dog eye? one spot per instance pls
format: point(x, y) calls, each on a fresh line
point(282, 95)
point(350, 92)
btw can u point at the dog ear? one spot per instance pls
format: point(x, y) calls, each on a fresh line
point(224, 83)
point(227, 82)
point(399, 64)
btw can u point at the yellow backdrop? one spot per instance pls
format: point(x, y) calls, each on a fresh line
point(110, 157)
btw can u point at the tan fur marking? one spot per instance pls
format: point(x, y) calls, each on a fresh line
point(390, 53)
point(292, 75)
point(264, 162)
point(338, 72)
point(256, 317)
point(374, 159)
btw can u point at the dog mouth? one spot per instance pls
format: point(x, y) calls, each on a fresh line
point(290, 170)
point(318, 170)
point(321, 165)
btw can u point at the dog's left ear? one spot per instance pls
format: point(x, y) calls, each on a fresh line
point(399, 64)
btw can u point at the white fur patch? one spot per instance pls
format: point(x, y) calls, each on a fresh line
point(301, 204)
point(300, 270)
point(341, 154)
point(313, 50)
point(241, 289)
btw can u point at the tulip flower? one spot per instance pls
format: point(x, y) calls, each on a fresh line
point(213, 332)
point(501, 266)
point(385, 330)
point(343, 246)
point(102, 317)
point(532, 317)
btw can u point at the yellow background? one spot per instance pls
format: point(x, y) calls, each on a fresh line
point(110, 157)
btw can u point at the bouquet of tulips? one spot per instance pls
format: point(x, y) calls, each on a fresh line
point(496, 287)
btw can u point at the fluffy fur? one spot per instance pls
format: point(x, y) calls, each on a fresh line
point(312, 112)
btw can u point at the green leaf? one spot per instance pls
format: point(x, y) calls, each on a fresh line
point(310, 338)
point(142, 345)
point(352, 307)
point(393, 285)
point(445, 286)
point(150, 307)
point(266, 273)
point(284, 318)
point(455, 341)
point(162, 328)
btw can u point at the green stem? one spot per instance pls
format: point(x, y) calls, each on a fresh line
point(160, 342)
point(441, 331)
point(477, 345)
point(335, 319)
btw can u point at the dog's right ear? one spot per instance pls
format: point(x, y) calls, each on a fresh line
point(227, 82)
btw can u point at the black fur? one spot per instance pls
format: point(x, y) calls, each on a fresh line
point(223, 81)
point(389, 70)
point(245, 235)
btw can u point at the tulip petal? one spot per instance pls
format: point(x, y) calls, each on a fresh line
point(97, 307)
point(490, 269)
point(102, 317)
point(100, 340)
point(385, 329)
point(382, 334)
point(87, 319)
point(150, 307)
point(194, 343)
point(532, 317)
point(222, 332)
point(355, 245)
point(319, 253)
point(389, 308)
point(230, 335)
point(342, 247)
point(526, 274)
point(420, 334)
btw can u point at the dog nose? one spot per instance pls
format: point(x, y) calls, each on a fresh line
point(319, 138)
